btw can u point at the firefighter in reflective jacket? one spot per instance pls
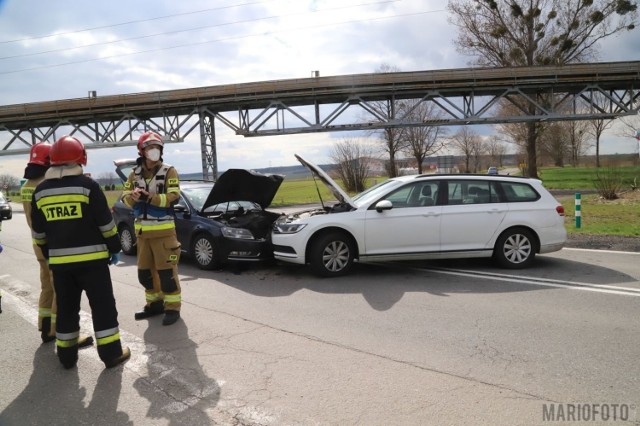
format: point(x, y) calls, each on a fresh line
point(151, 190)
point(34, 173)
point(72, 224)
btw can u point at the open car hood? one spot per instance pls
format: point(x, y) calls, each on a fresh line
point(244, 185)
point(335, 189)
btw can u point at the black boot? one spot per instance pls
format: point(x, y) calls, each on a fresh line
point(151, 310)
point(126, 354)
point(46, 328)
point(170, 317)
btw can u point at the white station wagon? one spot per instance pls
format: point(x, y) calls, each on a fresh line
point(508, 218)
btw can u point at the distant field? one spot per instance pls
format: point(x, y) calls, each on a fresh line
point(616, 217)
point(584, 177)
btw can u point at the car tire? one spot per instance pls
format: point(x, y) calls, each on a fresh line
point(127, 239)
point(331, 255)
point(515, 249)
point(204, 252)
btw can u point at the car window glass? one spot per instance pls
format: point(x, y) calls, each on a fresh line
point(400, 198)
point(371, 194)
point(471, 192)
point(519, 192)
point(415, 194)
point(197, 195)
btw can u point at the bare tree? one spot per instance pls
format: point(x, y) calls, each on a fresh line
point(8, 182)
point(421, 142)
point(519, 133)
point(497, 150)
point(553, 144)
point(352, 158)
point(537, 32)
point(107, 178)
point(391, 138)
point(469, 144)
point(578, 139)
point(597, 127)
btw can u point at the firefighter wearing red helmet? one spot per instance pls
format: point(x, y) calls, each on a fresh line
point(73, 226)
point(34, 174)
point(153, 187)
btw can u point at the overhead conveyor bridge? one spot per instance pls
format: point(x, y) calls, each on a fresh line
point(328, 104)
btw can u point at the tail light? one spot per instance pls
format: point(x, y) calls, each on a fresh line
point(560, 210)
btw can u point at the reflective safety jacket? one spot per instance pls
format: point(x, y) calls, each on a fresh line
point(156, 212)
point(26, 193)
point(71, 220)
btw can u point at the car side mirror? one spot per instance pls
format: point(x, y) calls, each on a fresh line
point(181, 208)
point(383, 205)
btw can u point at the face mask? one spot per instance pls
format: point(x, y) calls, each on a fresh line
point(153, 154)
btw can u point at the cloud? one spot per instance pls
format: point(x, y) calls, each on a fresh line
point(151, 45)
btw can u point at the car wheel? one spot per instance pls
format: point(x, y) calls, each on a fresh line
point(331, 255)
point(515, 249)
point(127, 240)
point(204, 252)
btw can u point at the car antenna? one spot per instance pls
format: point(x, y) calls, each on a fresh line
point(317, 189)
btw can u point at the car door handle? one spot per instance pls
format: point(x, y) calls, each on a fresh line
point(430, 214)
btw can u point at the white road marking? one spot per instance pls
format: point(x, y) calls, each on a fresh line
point(572, 285)
point(600, 250)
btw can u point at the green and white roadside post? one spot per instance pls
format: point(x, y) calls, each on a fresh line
point(578, 210)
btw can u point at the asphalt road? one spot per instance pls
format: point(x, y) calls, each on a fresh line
point(458, 342)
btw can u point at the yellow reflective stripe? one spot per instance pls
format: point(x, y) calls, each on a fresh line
point(161, 226)
point(67, 198)
point(44, 312)
point(163, 200)
point(110, 233)
point(152, 297)
point(170, 190)
point(61, 260)
point(108, 339)
point(172, 298)
point(26, 193)
point(39, 242)
point(66, 343)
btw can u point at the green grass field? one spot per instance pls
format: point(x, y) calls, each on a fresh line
point(607, 217)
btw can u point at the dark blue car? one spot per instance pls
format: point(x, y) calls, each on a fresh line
point(215, 223)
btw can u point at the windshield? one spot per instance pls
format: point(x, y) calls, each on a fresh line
point(197, 195)
point(372, 194)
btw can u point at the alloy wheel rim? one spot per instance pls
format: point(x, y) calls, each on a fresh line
point(335, 256)
point(204, 252)
point(517, 248)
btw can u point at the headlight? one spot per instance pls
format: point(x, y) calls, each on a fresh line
point(289, 228)
point(237, 233)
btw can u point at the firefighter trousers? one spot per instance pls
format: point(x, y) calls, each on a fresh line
point(47, 300)
point(158, 257)
point(95, 281)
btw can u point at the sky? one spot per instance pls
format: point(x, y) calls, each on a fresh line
point(53, 50)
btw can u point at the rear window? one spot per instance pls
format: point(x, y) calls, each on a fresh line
point(516, 192)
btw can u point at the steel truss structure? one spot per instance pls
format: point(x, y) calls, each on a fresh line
point(328, 104)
